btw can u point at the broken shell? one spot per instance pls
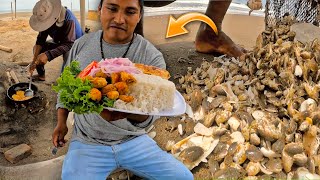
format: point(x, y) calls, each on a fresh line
point(237, 137)
point(191, 154)
point(205, 142)
point(311, 141)
point(169, 145)
point(303, 173)
point(152, 134)
point(220, 151)
point(181, 128)
point(269, 153)
point(172, 124)
point(300, 159)
point(213, 165)
point(240, 156)
point(254, 139)
point(278, 146)
point(203, 130)
point(274, 165)
point(308, 105)
point(234, 123)
point(209, 119)
point(254, 154)
point(293, 148)
point(196, 99)
point(253, 168)
point(222, 116)
point(298, 71)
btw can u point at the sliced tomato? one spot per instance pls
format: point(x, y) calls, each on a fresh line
point(85, 72)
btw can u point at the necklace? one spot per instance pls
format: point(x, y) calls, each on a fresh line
point(125, 53)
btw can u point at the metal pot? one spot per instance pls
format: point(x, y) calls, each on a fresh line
point(22, 87)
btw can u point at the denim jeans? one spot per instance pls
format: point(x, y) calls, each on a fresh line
point(141, 155)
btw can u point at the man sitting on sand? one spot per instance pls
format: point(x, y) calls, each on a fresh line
point(102, 143)
point(50, 18)
point(206, 40)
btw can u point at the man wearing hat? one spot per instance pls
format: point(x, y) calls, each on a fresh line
point(50, 18)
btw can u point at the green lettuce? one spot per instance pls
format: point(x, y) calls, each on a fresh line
point(74, 92)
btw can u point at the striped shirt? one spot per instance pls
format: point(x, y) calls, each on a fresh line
point(63, 36)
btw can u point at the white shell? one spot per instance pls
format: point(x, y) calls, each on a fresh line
point(269, 153)
point(180, 130)
point(169, 145)
point(237, 137)
point(258, 115)
point(202, 130)
point(152, 134)
point(298, 71)
point(306, 104)
point(233, 123)
point(253, 168)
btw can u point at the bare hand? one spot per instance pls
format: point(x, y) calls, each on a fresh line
point(112, 115)
point(58, 135)
point(41, 59)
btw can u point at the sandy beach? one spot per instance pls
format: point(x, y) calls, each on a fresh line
point(18, 35)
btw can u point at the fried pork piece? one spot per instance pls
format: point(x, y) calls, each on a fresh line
point(90, 78)
point(108, 88)
point(113, 95)
point(152, 70)
point(122, 88)
point(95, 94)
point(126, 77)
point(115, 77)
point(126, 98)
point(101, 74)
point(99, 82)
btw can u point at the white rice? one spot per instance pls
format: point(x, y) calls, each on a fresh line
point(151, 94)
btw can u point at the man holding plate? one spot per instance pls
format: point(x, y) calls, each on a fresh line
point(104, 142)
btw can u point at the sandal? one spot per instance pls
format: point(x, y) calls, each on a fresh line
point(38, 78)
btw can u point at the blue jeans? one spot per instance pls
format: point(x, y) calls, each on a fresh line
point(142, 156)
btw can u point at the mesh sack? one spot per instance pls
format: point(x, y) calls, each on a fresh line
point(302, 10)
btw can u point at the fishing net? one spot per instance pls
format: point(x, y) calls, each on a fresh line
point(303, 10)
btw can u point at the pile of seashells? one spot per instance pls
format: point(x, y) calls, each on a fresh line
point(257, 116)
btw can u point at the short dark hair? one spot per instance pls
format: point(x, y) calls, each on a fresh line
point(140, 4)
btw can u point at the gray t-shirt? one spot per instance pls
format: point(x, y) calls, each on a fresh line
point(92, 128)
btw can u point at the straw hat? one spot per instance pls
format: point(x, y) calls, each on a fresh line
point(45, 14)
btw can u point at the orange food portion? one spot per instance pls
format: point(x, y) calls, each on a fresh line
point(113, 95)
point(126, 77)
point(126, 98)
point(115, 77)
point(19, 96)
point(95, 94)
point(153, 70)
point(108, 88)
point(122, 88)
point(99, 82)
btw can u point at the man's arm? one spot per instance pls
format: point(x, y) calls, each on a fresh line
point(36, 51)
point(61, 129)
point(137, 118)
point(65, 45)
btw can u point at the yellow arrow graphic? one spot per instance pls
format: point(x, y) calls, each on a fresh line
point(176, 26)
